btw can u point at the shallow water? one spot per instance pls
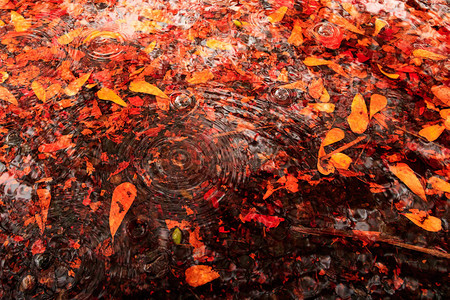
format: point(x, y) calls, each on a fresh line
point(236, 129)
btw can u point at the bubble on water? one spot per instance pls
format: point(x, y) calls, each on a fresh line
point(183, 101)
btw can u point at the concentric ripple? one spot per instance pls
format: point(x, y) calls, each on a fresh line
point(102, 45)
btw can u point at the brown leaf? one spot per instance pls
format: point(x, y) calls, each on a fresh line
point(433, 132)
point(146, 88)
point(358, 118)
point(108, 94)
point(7, 96)
point(123, 197)
point(200, 274)
point(422, 219)
point(408, 177)
point(377, 103)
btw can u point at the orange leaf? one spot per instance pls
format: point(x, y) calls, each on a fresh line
point(296, 37)
point(422, 219)
point(325, 96)
point(408, 177)
point(7, 96)
point(313, 61)
point(316, 88)
point(19, 22)
point(439, 184)
point(295, 85)
point(52, 91)
point(44, 203)
point(431, 133)
point(428, 54)
point(379, 24)
point(377, 103)
point(325, 107)
point(341, 21)
point(333, 136)
point(215, 44)
point(392, 76)
point(39, 90)
point(358, 119)
point(340, 161)
point(146, 88)
point(3, 76)
point(442, 92)
point(277, 15)
point(163, 103)
point(201, 77)
point(63, 142)
point(69, 37)
point(200, 274)
point(123, 197)
point(103, 34)
point(73, 87)
point(108, 94)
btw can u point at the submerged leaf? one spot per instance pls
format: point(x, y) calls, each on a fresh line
point(73, 88)
point(7, 96)
point(377, 103)
point(431, 133)
point(340, 161)
point(108, 94)
point(44, 203)
point(38, 90)
point(200, 274)
point(408, 177)
point(277, 15)
point(422, 219)
point(215, 44)
point(147, 88)
point(19, 22)
point(123, 197)
point(358, 118)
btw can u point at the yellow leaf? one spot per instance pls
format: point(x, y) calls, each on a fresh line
point(392, 76)
point(358, 118)
point(442, 92)
point(313, 61)
point(52, 91)
point(377, 103)
point(379, 24)
point(408, 177)
point(325, 107)
point(146, 88)
point(333, 136)
point(215, 44)
point(123, 197)
point(277, 15)
point(431, 133)
point(428, 54)
point(73, 87)
point(38, 90)
point(201, 77)
point(69, 37)
point(341, 21)
point(296, 37)
point(427, 222)
point(3, 76)
point(200, 274)
point(7, 96)
point(19, 22)
point(340, 161)
point(108, 94)
point(150, 47)
point(439, 184)
point(325, 96)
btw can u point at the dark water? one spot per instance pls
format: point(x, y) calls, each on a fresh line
point(203, 160)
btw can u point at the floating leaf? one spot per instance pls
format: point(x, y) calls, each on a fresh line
point(123, 197)
point(392, 76)
point(379, 24)
point(200, 274)
point(408, 177)
point(177, 235)
point(313, 61)
point(277, 15)
point(442, 92)
point(422, 219)
point(7, 96)
point(340, 161)
point(38, 90)
point(201, 77)
point(325, 107)
point(439, 184)
point(44, 203)
point(296, 37)
point(377, 103)
point(333, 136)
point(358, 119)
point(108, 94)
point(215, 44)
point(428, 54)
point(73, 87)
point(147, 88)
point(69, 37)
point(19, 22)
point(431, 133)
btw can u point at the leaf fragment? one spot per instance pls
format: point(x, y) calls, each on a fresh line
point(358, 118)
point(439, 184)
point(7, 96)
point(200, 274)
point(390, 75)
point(431, 133)
point(19, 22)
point(74, 87)
point(421, 53)
point(408, 177)
point(422, 219)
point(69, 37)
point(377, 103)
point(123, 197)
point(442, 92)
point(39, 90)
point(146, 88)
point(108, 94)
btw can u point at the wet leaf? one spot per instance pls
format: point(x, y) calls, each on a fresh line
point(432, 133)
point(268, 221)
point(39, 91)
point(69, 37)
point(215, 44)
point(19, 22)
point(146, 88)
point(379, 24)
point(177, 235)
point(123, 197)
point(392, 76)
point(358, 118)
point(333, 136)
point(340, 161)
point(377, 103)
point(150, 47)
point(408, 177)
point(341, 21)
point(439, 184)
point(63, 142)
point(200, 274)
point(316, 88)
point(7, 96)
point(201, 77)
point(74, 87)
point(108, 94)
point(103, 34)
point(442, 92)
point(3, 76)
point(44, 203)
point(325, 107)
point(277, 15)
point(428, 54)
point(52, 91)
point(296, 37)
point(313, 61)
point(422, 219)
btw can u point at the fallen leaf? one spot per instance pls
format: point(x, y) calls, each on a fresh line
point(408, 177)
point(341, 21)
point(439, 184)
point(422, 219)
point(177, 235)
point(123, 197)
point(392, 76)
point(325, 96)
point(63, 142)
point(69, 37)
point(333, 136)
point(73, 87)
point(108, 94)
point(268, 221)
point(3, 76)
point(7, 96)
point(433, 132)
point(277, 15)
point(295, 85)
point(163, 103)
point(325, 107)
point(44, 203)
point(379, 24)
point(377, 103)
point(150, 47)
point(146, 88)
point(313, 61)
point(38, 90)
point(103, 34)
point(358, 118)
point(340, 161)
point(442, 92)
point(52, 91)
point(215, 44)
point(316, 88)
point(19, 22)
point(199, 275)
point(296, 37)
point(201, 77)
point(428, 54)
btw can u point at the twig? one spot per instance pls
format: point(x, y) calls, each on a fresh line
point(346, 146)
